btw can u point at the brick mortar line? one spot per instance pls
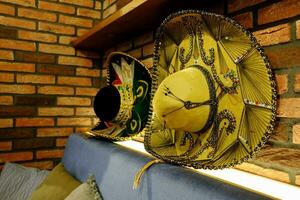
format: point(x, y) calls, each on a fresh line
point(52, 95)
point(36, 9)
point(53, 63)
point(36, 21)
point(293, 31)
point(275, 23)
point(57, 44)
point(33, 31)
point(288, 145)
point(68, 14)
point(281, 71)
point(295, 43)
point(82, 16)
point(289, 131)
point(17, 50)
point(275, 166)
point(16, 27)
point(46, 84)
point(34, 53)
point(286, 96)
point(251, 8)
point(69, 4)
point(50, 117)
point(291, 81)
point(101, 9)
point(56, 65)
point(38, 138)
point(110, 5)
point(75, 16)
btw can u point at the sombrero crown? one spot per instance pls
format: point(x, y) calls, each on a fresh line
point(214, 93)
point(123, 105)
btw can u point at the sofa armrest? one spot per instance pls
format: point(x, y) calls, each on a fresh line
point(115, 166)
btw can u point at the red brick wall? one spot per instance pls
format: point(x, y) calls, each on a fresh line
point(276, 25)
point(46, 86)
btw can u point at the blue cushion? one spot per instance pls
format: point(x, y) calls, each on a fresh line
point(18, 182)
point(115, 166)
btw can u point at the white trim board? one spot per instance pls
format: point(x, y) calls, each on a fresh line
point(252, 182)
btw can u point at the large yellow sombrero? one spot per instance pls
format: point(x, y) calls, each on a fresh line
point(214, 97)
point(123, 105)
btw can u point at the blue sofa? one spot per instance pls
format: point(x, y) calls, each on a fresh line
point(115, 166)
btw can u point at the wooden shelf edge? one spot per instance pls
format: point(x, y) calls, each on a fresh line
point(122, 13)
point(135, 18)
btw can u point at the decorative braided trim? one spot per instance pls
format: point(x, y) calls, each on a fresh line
point(93, 186)
point(155, 76)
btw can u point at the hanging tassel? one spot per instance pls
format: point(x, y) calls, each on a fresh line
point(140, 173)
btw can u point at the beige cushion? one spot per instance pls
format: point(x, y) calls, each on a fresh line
point(56, 186)
point(86, 191)
point(81, 192)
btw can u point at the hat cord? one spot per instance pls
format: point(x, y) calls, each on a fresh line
point(139, 174)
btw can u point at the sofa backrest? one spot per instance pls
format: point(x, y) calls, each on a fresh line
point(115, 166)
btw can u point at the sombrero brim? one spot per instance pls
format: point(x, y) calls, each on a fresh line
point(140, 110)
point(241, 72)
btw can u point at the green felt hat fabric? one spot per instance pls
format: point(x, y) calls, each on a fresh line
point(123, 105)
